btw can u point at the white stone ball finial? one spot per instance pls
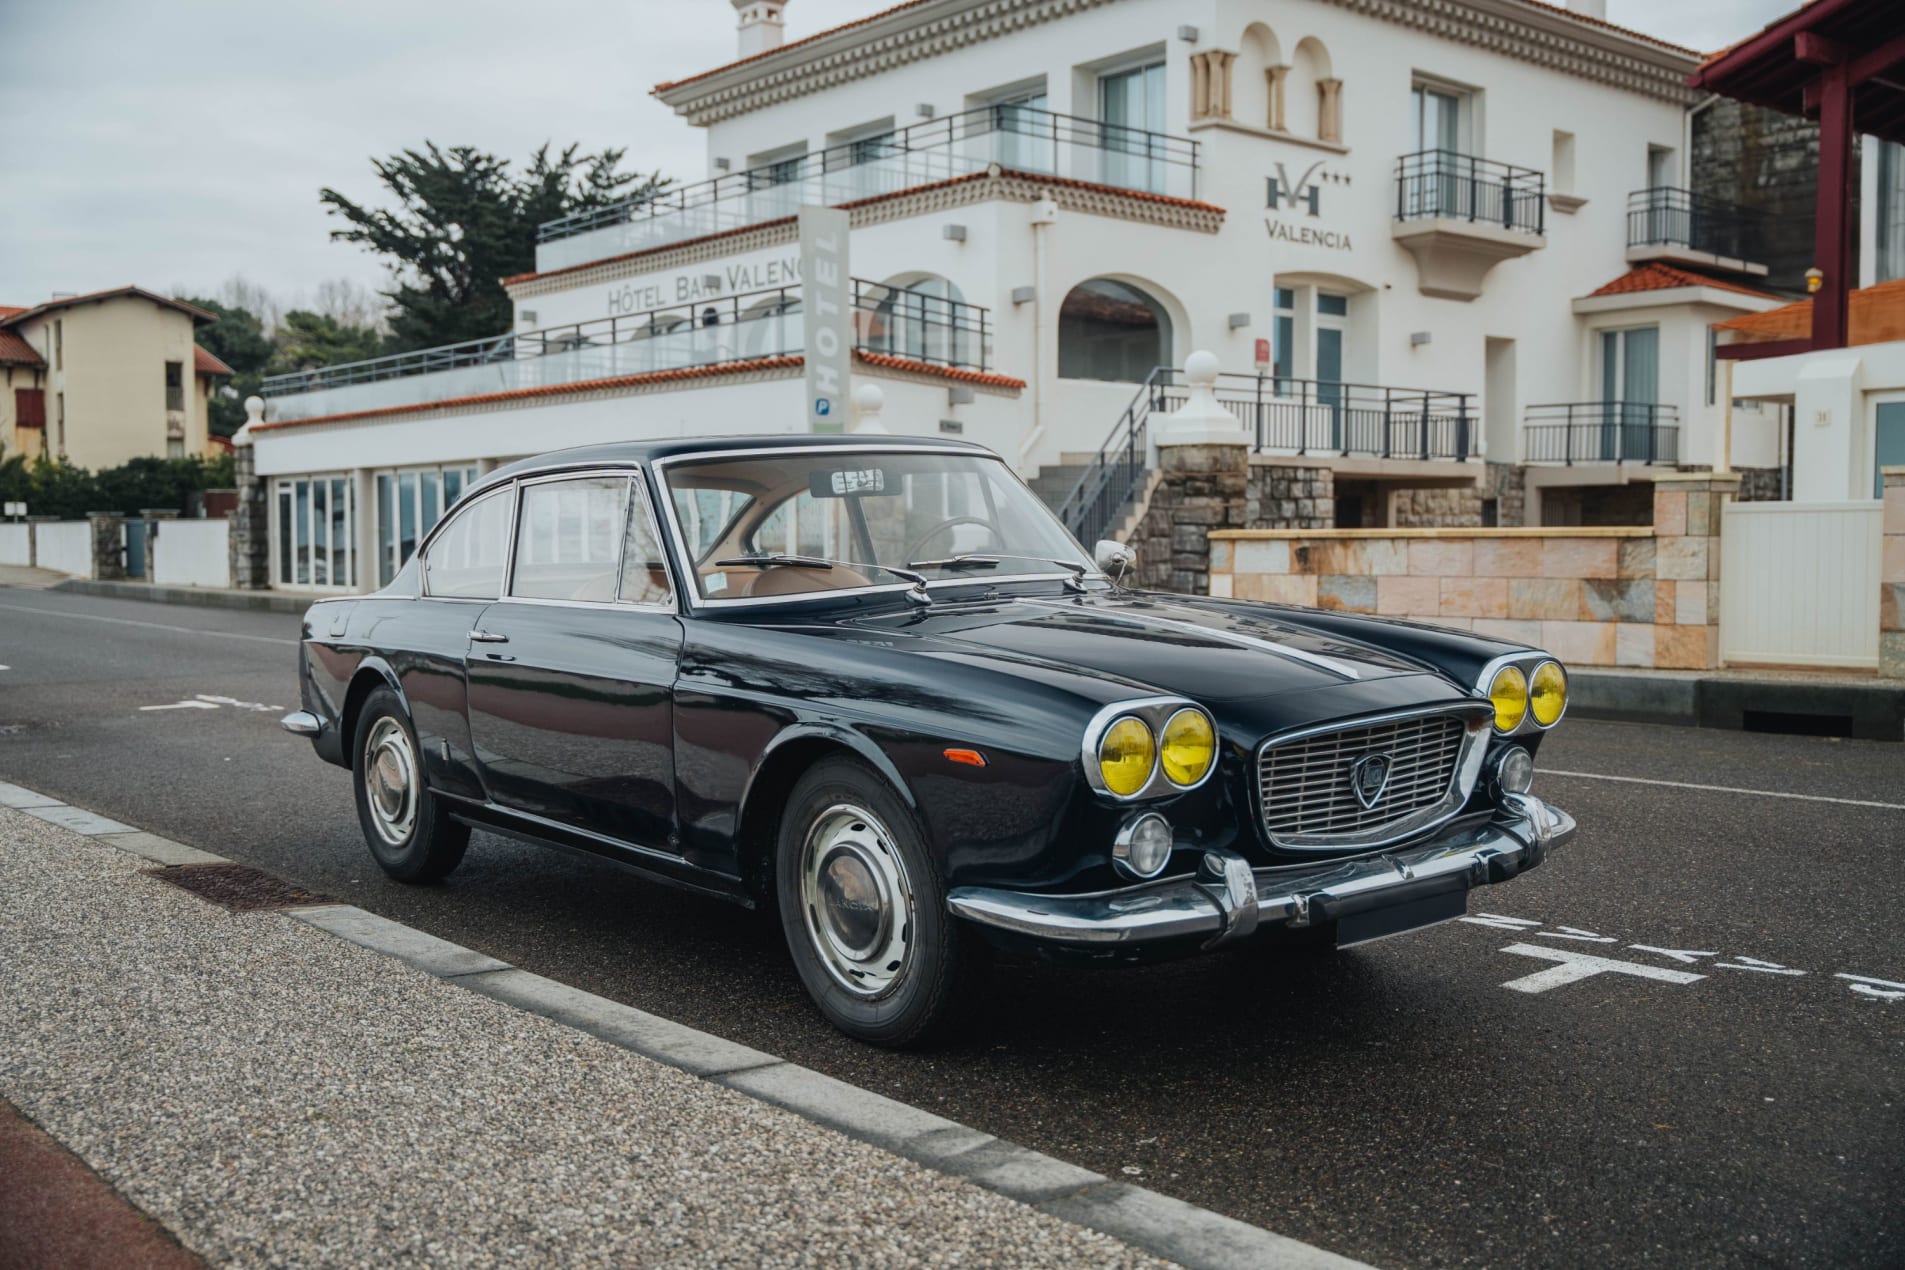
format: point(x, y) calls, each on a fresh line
point(868, 401)
point(254, 414)
point(1202, 419)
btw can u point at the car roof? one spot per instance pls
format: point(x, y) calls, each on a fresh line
point(617, 452)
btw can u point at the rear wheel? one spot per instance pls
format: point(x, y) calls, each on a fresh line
point(864, 911)
point(404, 825)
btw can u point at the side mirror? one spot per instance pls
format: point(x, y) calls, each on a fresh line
point(1113, 558)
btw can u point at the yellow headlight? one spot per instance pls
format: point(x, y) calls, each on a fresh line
point(1548, 693)
point(1509, 693)
point(1126, 755)
point(1187, 747)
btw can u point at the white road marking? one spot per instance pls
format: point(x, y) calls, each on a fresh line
point(1754, 963)
point(1576, 966)
point(183, 705)
point(1498, 921)
point(157, 626)
point(235, 703)
point(1878, 989)
point(1678, 954)
point(1727, 789)
point(1575, 932)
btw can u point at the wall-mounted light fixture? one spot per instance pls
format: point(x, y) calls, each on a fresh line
point(1239, 320)
point(959, 395)
point(953, 233)
point(721, 165)
point(527, 317)
point(1024, 295)
point(1417, 338)
point(924, 110)
point(1188, 34)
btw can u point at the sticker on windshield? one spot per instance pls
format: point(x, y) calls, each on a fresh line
point(866, 480)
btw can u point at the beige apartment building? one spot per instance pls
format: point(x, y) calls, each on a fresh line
point(102, 378)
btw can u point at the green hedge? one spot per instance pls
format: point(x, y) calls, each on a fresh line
point(52, 487)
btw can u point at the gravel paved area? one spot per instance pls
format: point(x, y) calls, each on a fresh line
point(277, 1096)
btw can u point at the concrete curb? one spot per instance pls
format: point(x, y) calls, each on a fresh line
point(254, 601)
point(1165, 1227)
point(1869, 710)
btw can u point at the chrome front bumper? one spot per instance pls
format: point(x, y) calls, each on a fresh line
point(1228, 900)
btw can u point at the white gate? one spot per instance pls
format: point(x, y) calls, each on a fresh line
point(1799, 584)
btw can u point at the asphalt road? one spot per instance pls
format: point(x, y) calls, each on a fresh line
point(1410, 1103)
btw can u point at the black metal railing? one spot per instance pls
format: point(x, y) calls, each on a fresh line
point(1280, 415)
point(739, 327)
point(1117, 472)
point(1018, 137)
point(1441, 184)
point(1663, 216)
point(1570, 432)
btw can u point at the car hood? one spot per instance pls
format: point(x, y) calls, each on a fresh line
point(1203, 651)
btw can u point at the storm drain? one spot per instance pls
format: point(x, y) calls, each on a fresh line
point(238, 887)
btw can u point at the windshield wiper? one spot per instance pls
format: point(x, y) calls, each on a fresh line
point(770, 559)
point(981, 560)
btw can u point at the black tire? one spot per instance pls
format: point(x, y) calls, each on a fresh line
point(938, 964)
point(406, 830)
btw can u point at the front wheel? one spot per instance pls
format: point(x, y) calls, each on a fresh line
point(864, 911)
point(404, 825)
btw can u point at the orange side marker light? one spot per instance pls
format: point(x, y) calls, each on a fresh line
point(971, 758)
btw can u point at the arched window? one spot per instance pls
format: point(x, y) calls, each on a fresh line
point(922, 320)
point(1315, 98)
point(1259, 78)
point(1112, 330)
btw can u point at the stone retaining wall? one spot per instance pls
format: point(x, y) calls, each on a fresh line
point(1593, 597)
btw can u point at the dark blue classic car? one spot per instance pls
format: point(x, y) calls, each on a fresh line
point(874, 682)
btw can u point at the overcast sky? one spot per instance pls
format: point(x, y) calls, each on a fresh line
point(179, 142)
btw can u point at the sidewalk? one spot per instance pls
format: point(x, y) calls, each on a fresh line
point(1834, 702)
point(273, 1094)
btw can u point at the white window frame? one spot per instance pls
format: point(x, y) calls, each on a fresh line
point(283, 495)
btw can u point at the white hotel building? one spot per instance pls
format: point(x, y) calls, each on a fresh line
point(1442, 247)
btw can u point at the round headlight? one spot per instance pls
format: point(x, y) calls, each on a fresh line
point(1143, 848)
point(1508, 692)
point(1514, 771)
point(1548, 693)
point(1126, 755)
point(1187, 747)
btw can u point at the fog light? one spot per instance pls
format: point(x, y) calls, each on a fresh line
point(1143, 846)
point(1514, 771)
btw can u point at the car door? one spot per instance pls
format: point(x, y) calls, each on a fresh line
point(571, 673)
point(427, 643)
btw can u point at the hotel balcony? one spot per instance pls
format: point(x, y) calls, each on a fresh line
point(1679, 226)
point(735, 329)
point(1460, 216)
point(1016, 138)
point(1325, 417)
point(1580, 432)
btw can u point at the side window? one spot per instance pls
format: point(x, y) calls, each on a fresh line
point(466, 560)
point(569, 539)
point(644, 573)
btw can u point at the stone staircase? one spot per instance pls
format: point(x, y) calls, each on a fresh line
point(1055, 480)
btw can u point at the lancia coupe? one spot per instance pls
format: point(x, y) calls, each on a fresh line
point(875, 686)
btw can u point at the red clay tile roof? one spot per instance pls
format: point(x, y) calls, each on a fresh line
point(870, 201)
point(15, 351)
point(878, 360)
point(66, 302)
point(556, 390)
point(1657, 275)
point(11, 310)
point(1877, 317)
point(804, 40)
point(886, 361)
point(206, 364)
point(765, 54)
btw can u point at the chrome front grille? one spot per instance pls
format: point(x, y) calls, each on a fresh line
point(1308, 793)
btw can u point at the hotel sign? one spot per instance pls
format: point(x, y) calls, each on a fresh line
point(1304, 194)
point(702, 282)
point(826, 311)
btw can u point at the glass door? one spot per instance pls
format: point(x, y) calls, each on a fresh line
point(1023, 138)
point(1630, 394)
point(1131, 106)
point(1332, 319)
point(1435, 189)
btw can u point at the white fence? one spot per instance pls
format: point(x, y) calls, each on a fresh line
point(191, 553)
point(1799, 584)
point(66, 546)
point(16, 544)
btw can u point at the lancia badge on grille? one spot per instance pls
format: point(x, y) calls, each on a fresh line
point(1368, 777)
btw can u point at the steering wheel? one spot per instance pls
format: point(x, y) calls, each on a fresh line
point(912, 551)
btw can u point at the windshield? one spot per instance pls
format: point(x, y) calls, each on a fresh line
point(796, 521)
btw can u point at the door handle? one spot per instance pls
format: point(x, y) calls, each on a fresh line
point(480, 636)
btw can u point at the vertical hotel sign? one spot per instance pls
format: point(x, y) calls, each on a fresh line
point(826, 313)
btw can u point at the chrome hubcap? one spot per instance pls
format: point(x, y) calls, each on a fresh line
point(857, 900)
point(390, 780)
